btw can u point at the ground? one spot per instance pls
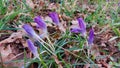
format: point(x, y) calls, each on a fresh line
point(71, 49)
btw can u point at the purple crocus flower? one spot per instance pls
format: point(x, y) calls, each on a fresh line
point(40, 22)
point(81, 28)
point(29, 30)
point(91, 37)
point(32, 48)
point(54, 17)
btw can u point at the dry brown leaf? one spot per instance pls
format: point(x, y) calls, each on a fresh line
point(61, 27)
point(57, 61)
point(64, 17)
point(95, 51)
point(13, 37)
point(7, 55)
point(47, 18)
point(106, 65)
point(89, 66)
point(24, 43)
point(53, 6)
point(41, 3)
point(14, 64)
point(30, 3)
point(5, 51)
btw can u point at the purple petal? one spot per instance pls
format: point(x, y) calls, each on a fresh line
point(75, 30)
point(54, 17)
point(82, 25)
point(29, 30)
point(118, 4)
point(91, 37)
point(40, 22)
point(32, 48)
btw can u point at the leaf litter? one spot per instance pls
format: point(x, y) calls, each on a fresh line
point(12, 46)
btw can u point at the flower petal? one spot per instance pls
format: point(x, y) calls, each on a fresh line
point(54, 17)
point(91, 37)
point(82, 25)
point(40, 22)
point(29, 30)
point(75, 30)
point(32, 48)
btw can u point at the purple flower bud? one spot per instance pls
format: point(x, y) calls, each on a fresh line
point(40, 22)
point(29, 30)
point(82, 26)
point(54, 17)
point(91, 37)
point(32, 48)
point(75, 30)
point(118, 4)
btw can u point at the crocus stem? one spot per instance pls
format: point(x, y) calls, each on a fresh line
point(41, 40)
point(45, 46)
point(51, 43)
point(54, 55)
point(88, 50)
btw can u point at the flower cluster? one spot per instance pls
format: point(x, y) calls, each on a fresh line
point(42, 25)
point(30, 31)
point(82, 29)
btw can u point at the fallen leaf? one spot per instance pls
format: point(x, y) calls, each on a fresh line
point(5, 51)
point(13, 37)
point(47, 18)
point(30, 3)
point(57, 61)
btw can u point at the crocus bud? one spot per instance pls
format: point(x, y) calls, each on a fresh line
point(82, 26)
point(29, 30)
point(54, 17)
point(32, 48)
point(91, 37)
point(41, 23)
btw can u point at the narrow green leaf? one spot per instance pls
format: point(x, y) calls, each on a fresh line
point(8, 18)
point(116, 31)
